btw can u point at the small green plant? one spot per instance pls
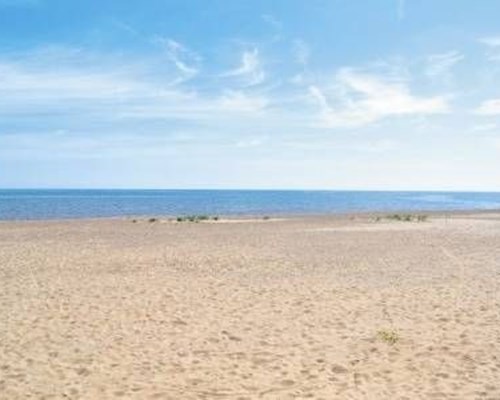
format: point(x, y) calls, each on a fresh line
point(134, 221)
point(196, 218)
point(151, 220)
point(266, 218)
point(407, 217)
point(388, 336)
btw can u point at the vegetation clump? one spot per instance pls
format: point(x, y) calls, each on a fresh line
point(404, 217)
point(388, 336)
point(196, 218)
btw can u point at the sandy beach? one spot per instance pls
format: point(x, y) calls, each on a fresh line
point(297, 308)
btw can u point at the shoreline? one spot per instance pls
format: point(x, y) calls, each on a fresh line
point(269, 216)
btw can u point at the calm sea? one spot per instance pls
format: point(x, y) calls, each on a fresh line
point(55, 204)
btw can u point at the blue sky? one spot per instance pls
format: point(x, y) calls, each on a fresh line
point(316, 94)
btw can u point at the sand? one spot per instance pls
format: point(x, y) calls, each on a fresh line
point(297, 308)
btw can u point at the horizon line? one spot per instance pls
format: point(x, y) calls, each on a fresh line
point(250, 189)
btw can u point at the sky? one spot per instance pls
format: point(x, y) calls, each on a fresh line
point(268, 94)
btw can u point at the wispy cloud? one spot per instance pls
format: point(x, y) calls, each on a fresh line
point(185, 60)
point(484, 127)
point(239, 101)
point(40, 84)
point(250, 70)
point(33, 86)
point(493, 44)
point(441, 64)
point(493, 41)
point(124, 27)
point(254, 142)
point(359, 99)
point(489, 108)
point(367, 146)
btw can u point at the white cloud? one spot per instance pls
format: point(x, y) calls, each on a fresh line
point(19, 82)
point(298, 79)
point(492, 41)
point(484, 127)
point(489, 107)
point(378, 146)
point(255, 142)
point(239, 101)
point(361, 99)
point(369, 146)
point(111, 92)
point(493, 44)
point(250, 69)
point(440, 64)
point(186, 61)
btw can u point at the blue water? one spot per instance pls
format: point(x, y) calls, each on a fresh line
point(56, 204)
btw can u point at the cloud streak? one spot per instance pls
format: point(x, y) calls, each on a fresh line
point(250, 71)
point(361, 99)
point(493, 45)
point(489, 108)
point(441, 64)
point(186, 61)
point(78, 95)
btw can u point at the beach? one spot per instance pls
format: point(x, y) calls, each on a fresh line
point(318, 307)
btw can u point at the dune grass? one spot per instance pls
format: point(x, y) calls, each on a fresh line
point(388, 336)
point(197, 218)
point(404, 217)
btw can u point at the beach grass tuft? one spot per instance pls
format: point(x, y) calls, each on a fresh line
point(388, 336)
point(404, 217)
point(196, 218)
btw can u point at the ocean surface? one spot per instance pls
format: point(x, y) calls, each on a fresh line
point(58, 204)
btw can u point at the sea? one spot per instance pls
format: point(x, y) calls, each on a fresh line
point(43, 204)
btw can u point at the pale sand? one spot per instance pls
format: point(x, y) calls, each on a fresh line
point(287, 309)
